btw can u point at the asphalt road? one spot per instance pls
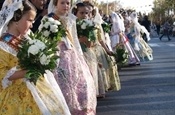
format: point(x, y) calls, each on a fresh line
point(148, 89)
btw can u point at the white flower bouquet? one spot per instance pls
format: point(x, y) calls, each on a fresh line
point(40, 52)
point(51, 28)
point(86, 28)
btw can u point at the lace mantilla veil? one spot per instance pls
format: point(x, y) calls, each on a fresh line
point(134, 19)
point(74, 28)
point(98, 21)
point(7, 12)
point(115, 23)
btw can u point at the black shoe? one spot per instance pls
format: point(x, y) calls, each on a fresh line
point(160, 39)
point(132, 64)
point(169, 39)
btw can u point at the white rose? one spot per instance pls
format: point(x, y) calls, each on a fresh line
point(40, 45)
point(46, 25)
point(46, 33)
point(86, 20)
point(90, 23)
point(57, 22)
point(54, 28)
point(32, 41)
point(124, 55)
point(51, 20)
point(83, 26)
point(44, 60)
point(40, 27)
point(37, 41)
point(44, 18)
point(33, 49)
point(79, 22)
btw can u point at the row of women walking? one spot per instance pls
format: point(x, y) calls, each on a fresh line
point(127, 32)
point(86, 68)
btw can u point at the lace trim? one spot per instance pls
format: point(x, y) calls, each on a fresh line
point(5, 81)
point(76, 42)
point(7, 48)
point(11, 40)
point(55, 88)
point(37, 98)
point(67, 42)
point(57, 91)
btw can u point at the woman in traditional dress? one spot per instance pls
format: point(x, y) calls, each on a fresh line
point(109, 78)
point(119, 39)
point(73, 74)
point(18, 96)
point(80, 10)
point(112, 71)
point(143, 50)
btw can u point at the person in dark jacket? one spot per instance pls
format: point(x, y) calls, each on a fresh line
point(166, 30)
point(158, 28)
point(146, 23)
point(1, 3)
point(41, 6)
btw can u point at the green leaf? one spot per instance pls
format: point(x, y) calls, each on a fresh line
point(33, 75)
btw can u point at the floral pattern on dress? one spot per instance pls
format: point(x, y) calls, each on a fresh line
point(16, 98)
point(76, 82)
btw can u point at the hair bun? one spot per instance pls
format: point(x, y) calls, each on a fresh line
point(17, 15)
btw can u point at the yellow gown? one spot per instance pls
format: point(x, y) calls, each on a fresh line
point(16, 96)
point(20, 97)
point(112, 80)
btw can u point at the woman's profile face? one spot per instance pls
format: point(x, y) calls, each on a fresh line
point(63, 6)
point(25, 23)
point(90, 12)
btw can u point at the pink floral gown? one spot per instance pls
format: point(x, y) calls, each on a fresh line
point(75, 80)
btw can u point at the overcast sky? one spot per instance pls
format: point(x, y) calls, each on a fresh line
point(139, 5)
point(132, 3)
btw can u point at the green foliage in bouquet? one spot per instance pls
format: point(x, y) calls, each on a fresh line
point(106, 27)
point(86, 28)
point(121, 56)
point(39, 53)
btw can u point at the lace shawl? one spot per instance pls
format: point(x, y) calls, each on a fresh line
point(115, 24)
point(71, 23)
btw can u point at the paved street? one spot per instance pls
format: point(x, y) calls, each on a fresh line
point(148, 89)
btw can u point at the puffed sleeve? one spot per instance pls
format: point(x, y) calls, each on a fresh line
point(8, 64)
